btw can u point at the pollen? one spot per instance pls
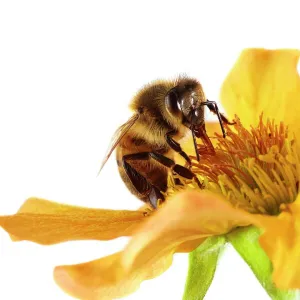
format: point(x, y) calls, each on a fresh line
point(257, 170)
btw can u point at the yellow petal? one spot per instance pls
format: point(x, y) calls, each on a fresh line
point(281, 242)
point(46, 222)
point(179, 225)
point(189, 246)
point(187, 216)
point(99, 279)
point(105, 279)
point(264, 81)
point(102, 278)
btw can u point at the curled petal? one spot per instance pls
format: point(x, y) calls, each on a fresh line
point(281, 242)
point(264, 81)
point(46, 222)
point(179, 225)
point(186, 217)
point(189, 246)
point(101, 279)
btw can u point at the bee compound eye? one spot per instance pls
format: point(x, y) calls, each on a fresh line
point(172, 103)
point(196, 117)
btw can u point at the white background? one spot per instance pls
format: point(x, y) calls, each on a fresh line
point(68, 70)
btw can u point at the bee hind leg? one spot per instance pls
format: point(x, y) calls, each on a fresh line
point(167, 162)
point(150, 193)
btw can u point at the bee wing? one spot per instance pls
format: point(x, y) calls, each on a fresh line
point(117, 137)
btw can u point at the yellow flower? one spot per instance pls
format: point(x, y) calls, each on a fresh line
point(253, 179)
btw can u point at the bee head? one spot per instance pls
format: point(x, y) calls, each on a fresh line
point(184, 101)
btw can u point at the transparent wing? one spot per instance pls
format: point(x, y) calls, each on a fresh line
point(117, 137)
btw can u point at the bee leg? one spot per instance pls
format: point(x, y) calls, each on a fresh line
point(178, 169)
point(176, 146)
point(213, 107)
point(167, 162)
point(178, 181)
point(150, 192)
point(154, 196)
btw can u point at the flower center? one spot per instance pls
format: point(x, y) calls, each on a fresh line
point(256, 170)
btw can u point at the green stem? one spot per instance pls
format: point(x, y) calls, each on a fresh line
point(245, 241)
point(202, 266)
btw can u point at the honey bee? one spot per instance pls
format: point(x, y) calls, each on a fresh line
point(165, 112)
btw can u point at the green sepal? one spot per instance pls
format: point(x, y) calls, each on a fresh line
point(245, 241)
point(202, 266)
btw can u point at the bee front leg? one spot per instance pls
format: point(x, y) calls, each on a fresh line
point(176, 147)
point(213, 107)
